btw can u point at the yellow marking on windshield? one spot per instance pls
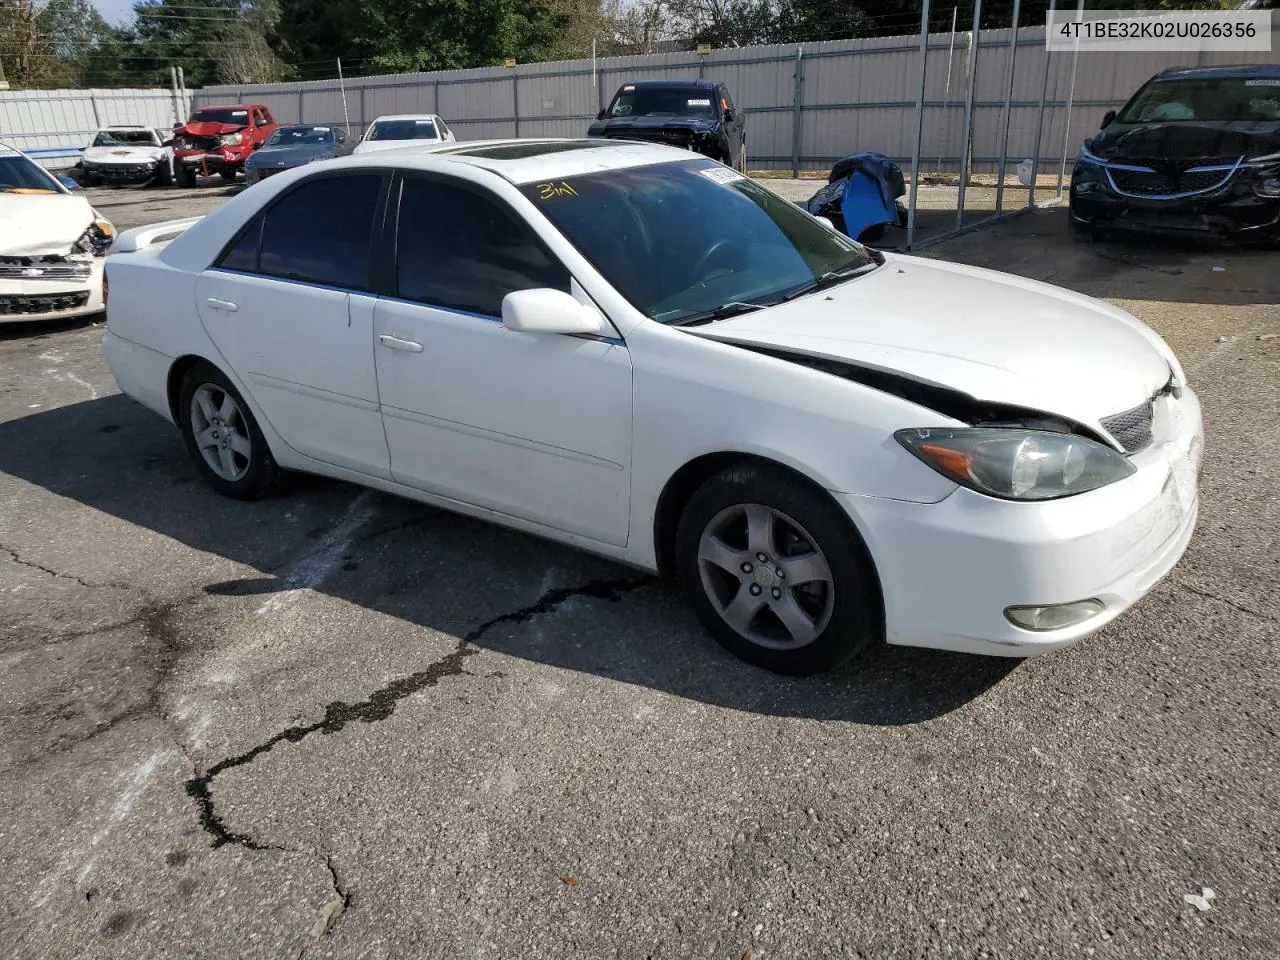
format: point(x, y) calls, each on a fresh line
point(549, 191)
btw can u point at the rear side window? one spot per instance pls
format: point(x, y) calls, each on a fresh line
point(462, 250)
point(320, 232)
point(243, 254)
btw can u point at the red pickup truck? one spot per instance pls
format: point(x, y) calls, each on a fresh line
point(219, 140)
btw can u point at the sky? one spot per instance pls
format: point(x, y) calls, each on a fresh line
point(115, 11)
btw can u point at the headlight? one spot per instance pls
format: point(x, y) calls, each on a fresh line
point(97, 239)
point(1016, 464)
point(1088, 156)
point(1267, 182)
point(232, 140)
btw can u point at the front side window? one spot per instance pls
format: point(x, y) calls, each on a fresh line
point(403, 130)
point(680, 239)
point(320, 232)
point(1217, 99)
point(645, 101)
point(464, 250)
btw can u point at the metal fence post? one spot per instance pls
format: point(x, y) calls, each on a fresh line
point(967, 139)
point(1071, 95)
point(301, 118)
point(797, 105)
point(1007, 112)
point(1044, 90)
point(362, 121)
point(915, 150)
point(515, 99)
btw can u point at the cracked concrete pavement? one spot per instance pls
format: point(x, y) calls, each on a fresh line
point(338, 724)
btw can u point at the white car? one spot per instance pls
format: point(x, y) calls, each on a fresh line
point(126, 155)
point(656, 359)
point(52, 244)
point(404, 130)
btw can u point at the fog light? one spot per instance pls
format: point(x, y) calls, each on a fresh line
point(1055, 616)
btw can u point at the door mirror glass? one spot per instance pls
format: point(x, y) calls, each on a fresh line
point(602, 114)
point(1107, 118)
point(728, 116)
point(547, 311)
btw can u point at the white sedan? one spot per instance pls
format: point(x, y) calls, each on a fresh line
point(656, 359)
point(52, 244)
point(404, 130)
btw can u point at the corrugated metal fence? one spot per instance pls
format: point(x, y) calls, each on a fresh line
point(46, 120)
point(805, 104)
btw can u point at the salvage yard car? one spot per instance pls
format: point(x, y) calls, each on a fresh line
point(652, 357)
point(123, 155)
point(219, 140)
point(403, 130)
point(52, 244)
point(1196, 151)
point(293, 146)
point(697, 115)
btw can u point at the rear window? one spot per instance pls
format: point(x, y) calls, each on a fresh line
point(403, 130)
point(1220, 99)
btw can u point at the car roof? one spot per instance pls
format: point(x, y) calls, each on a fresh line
point(700, 84)
point(525, 160)
point(1241, 71)
point(125, 126)
point(406, 116)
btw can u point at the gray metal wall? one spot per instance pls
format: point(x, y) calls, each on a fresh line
point(35, 119)
point(816, 102)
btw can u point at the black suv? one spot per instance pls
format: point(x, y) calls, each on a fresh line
point(697, 115)
point(1195, 151)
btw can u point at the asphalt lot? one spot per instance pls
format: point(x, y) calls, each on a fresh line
point(341, 724)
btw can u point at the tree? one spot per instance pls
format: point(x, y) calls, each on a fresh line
point(50, 44)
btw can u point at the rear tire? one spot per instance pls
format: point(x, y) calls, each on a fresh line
point(222, 437)
point(228, 176)
point(810, 605)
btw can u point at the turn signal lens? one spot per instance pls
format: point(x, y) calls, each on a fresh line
point(1016, 464)
point(1055, 616)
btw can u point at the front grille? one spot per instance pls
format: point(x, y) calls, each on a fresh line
point(1132, 428)
point(1159, 185)
point(1143, 184)
point(17, 304)
point(121, 171)
point(190, 142)
point(43, 268)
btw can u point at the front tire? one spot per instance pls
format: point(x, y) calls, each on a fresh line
point(222, 437)
point(228, 176)
point(776, 571)
point(185, 176)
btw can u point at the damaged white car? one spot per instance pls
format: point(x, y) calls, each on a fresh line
point(126, 155)
point(52, 245)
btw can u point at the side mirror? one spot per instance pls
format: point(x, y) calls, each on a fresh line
point(73, 184)
point(1107, 118)
point(547, 311)
point(728, 116)
point(602, 114)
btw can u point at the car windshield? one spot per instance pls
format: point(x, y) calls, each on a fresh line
point(683, 240)
point(295, 136)
point(644, 101)
point(20, 175)
point(221, 115)
point(124, 138)
point(1221, 99)
point(403, 130)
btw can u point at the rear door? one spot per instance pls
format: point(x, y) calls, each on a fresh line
point(289, 307)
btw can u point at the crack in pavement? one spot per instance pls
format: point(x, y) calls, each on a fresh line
point(1208, 595)
point(382, 703)
point(18, 559)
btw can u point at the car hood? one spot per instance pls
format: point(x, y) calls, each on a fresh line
point(42, 223)
point(130, 154)
point(205, 128)
point(289, 156)
point(373, 146)
point(995, 337)
point(1185, 144)
point(619, 126)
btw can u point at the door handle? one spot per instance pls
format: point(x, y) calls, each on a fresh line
point(226, 306)
point(395, 343)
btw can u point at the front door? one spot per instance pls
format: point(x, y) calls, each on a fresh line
point(288, 305)
point(536, 426)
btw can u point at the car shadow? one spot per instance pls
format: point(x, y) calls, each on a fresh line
point(450, 573)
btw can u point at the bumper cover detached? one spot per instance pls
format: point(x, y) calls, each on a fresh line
point(123, 172)
point(950, 570)
point(208, 163)
point(51, 299)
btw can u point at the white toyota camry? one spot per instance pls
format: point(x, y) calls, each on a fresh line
point(654, 358)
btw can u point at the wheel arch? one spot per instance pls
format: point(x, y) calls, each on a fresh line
point(682, 485)
point(173, 384)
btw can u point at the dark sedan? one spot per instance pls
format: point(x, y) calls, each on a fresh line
point(1195, 151)
point(293, 146)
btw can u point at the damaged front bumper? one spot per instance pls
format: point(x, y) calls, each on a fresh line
point(49, 287)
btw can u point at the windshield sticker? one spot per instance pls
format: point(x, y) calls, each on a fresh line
point(1262, 83)
point(628, 88)
point(699, 103)
point(424, 123)
point(320, 129)
point(721, 174)
point(549, 191)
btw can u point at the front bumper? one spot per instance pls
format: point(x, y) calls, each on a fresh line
point(32, 300)
point(949, 570)
point(122, 172)
point(1232, 213)
point(210, 162)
